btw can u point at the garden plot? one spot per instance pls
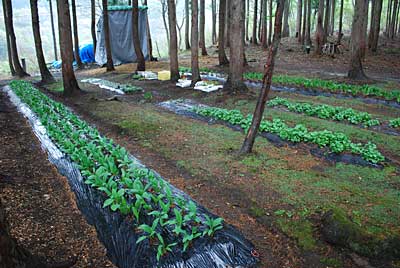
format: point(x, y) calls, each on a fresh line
point(165, 228)
point(113, 86)
point(335, 146)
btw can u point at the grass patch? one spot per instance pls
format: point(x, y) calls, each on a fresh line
point(301, 230)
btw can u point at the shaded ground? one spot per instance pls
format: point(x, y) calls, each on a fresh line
point(40, 205)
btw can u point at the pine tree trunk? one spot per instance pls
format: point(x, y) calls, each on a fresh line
point(76, 36)
point(393, 19)
point(19, 71)
point(66, 47)
point(332, 24)
point(260, 20)
point(44, 71)
point(303, 34)
point(326, 21)
point(319, 34)
point(248, 143)
point(254, 38)
point(148, 35)
point(164, 11)
point(227, 23)
point(187, 25)
point(93, 24)
point(235, 78)
point(364, 35)
point(141, 63)
point(299, 20)
point(214, 21)
point(223, 60)
point(356, 46)
point(264, 35)
point(308, 27)
point(247, 19)
point(53, 30)
point(340, 33)
point(173, 48)
point(10, 63)
point(195, 43)
point(270, 30)
point(286, 32)
point(202, 28)
point(388, 15)
point(107, 41)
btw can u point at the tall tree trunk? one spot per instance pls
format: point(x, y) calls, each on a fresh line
point(332, 24)
point(214, 21)
point(374, 30)
point(19, 71)
point(340, 33)
point(141, 63)
point(44, 72)
point(248, 143)
point(53, 30)
point(299, 20)
point(227, 23)
point(365, 27)
point(319, 34)
point(308, 25)
point(66, 47)
point(173, 47)
point(148, 34)
point(304, 25)
point(235, 78)
point(107, 41)
point(285, 32)
point(247, 19)
point(260, 20)
point(187, 25)
point(388, 15)
point(10, 63)
point(356, 46)
point(202, 28)
point(164, 12)
point(270, 30)
point(76, 36)
point(264, 34)
point(393, 19)
point(254, 38)
point(195, 43)
point(93, 24)
point(326, 21)
point(223, 60)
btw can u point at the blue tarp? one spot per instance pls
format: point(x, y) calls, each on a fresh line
point(86, 52)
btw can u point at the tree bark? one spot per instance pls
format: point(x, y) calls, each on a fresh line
point(326, 21)
point(148, 35)
point(10, 63)
point(304, 26)
point(66, 47)
point(44, 71)
point(214, 21)
point(264, 25)
point(93, 24)
point(19, 71)
point(319, 34)
point(227, 23)
point(254, 38)
point(364, 35)
point(393, 19)
point(202, 41)
point(247, 19)
point(187, 25)
point(164, 11)
point(260, 20)
point(223, 60)
point(76, 36)
point(270, 30)
point(340, 33)
point(141, 63)
point(235, 78)
point(308, 25)
point(356, 46)
point(53, 31)
point(299, 20)
point(285, 32)
point(173, 47)
point(248, 143)
point(375, 25)
point(332, 23)
point(107, 42)
point(195, 43)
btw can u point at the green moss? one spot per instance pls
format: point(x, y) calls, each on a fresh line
point(331, 262)
point(301, 230)
point(55, 87)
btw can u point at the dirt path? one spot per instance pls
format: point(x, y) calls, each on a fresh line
point(40, 205)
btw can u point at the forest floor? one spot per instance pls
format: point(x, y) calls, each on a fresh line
point(276, 196)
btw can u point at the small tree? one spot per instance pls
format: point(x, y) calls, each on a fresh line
point(248, 143)
point(173, 44)
point(141, 64)
point(107, 41)
point(195, 43)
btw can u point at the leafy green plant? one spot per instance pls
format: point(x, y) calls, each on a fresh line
point(213, 225)
point(395, 123)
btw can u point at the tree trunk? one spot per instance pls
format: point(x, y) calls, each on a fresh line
point(332, 24)
point(66, 47)
point(365, 27)
point(76, 36)
point(340, 33)
point(214, 21)
point(319, 34)
point(270, 22)
point(195, 43)
point(264, 34)
point(53, 30)
point(107, 42)
point(173, 47)
point(247, 19)
point(285, 32)
point(19, 71)
point(93, 24)
point(260, 20)
point(235, 78)
point(393, 19)
point(44, 72)
point(223, 60)
point(299, 20)
point(254, 38)
point(227, 23)
point(308, 25)
point(388, 15)
point(267, 79)
point(326, 21)
point(164, 11)
point(375, 25)
point(202, 41)
point(141, 63)
point(187, 25)
point(10, 63)
point(356, 46)
point(302, 36)
point(148, 35)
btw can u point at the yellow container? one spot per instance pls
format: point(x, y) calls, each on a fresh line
point(164, 75)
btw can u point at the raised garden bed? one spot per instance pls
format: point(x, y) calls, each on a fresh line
point(142, 219)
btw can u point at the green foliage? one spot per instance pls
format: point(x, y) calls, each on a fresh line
point(107, 167)
point(395, 123)
point(337, 142)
